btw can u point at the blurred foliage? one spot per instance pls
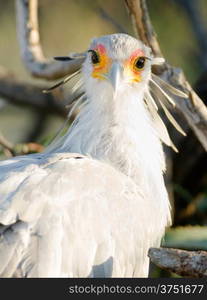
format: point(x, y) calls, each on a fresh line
point(187, 237)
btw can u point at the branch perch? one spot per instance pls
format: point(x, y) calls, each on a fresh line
point(181, 262)
point(30, 45)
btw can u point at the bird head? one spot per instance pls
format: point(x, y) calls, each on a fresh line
point(118, 61)
point(118, 66)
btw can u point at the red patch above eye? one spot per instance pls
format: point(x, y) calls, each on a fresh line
point(100, 48)
point(136, 54)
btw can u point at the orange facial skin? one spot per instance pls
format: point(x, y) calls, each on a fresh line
point(130, 69)
point(102, 68)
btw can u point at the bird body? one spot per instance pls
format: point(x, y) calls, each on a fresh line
point(95, 201)
point(79, 218)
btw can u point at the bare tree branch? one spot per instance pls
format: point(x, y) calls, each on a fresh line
point(142, 25)
point(24, 93)
point(30, 46)
point(181, 262)
point(192, 108)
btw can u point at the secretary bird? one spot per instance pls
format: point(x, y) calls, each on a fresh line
point(95, 201)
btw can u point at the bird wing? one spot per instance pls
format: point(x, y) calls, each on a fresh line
point(69, 215)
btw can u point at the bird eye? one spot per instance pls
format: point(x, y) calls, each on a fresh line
point(140, 62)
point(94, 57)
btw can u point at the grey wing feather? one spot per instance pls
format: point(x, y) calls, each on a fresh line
point(13, 241)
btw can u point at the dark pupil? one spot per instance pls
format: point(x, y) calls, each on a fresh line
point(94, 57)
point(140, 63)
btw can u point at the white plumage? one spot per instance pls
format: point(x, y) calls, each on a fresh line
point(95, 201)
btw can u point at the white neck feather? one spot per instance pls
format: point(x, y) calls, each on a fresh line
point(118, 131)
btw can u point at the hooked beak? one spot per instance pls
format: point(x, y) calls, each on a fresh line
point(115, 75)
